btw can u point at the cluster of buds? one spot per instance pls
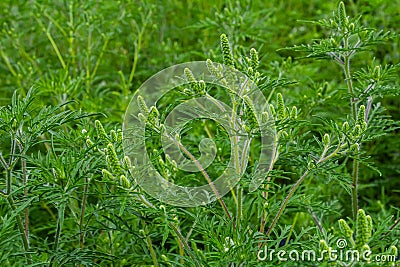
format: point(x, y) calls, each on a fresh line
point(116, 169)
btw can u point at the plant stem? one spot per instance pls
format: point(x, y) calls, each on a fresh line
point(301, 179)
point(88, 57)
point(274, 157)
point(71, 37)
point(84, 197)
point(53, 43)
point(60, 222)
point(184, 243)
point(25, 183)
point(349, 81)
point(354, 188)
point(206, 176)
point(21, 229)
point(239, 207)
point(150, 246)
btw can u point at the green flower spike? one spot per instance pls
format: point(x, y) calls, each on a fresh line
point(90, 143)
point(326, 140)
point(345, 127)
point(251, 114)
point(127, 163)
point(363, 232)
point(281, 107)
point(226, 51)
point(377, 73)
point(293, 113)
point(153, 118)
point(356, 131)
point(369, 225)
point(254, 61)
point(272, 110)
point(142, 106)
point(120, 135)
point(343, 20)
point(361, 115)
point(124, 182)
point(114, 137)
point(345, 229)
point(112, 160)
point(191, 80)
point(393, 250)
point(107, 175)
point(324, 249)
point(355, 147)
point(101, 132)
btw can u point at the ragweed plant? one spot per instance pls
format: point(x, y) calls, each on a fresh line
point(71, 192)
point(346, 40)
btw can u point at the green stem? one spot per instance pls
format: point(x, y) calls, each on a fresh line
point(88, 56)
point(206, 176)
point(53, 43)
point(353, 104)
point(301, 179)
point(354, 188)
point(71, 38)
point(21, 229)
point(239, 207)
point(274, 158)
point(150, 246)
point(349, 82)
point(181, 238)
point(60, 222)
point(137, 49)
point(25, 183)
point(184, 243)
point(103, 49)
point(84, 197)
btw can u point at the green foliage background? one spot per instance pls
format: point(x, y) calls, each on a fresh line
point(65, 64)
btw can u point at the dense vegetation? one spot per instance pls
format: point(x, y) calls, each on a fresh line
point(68, 188)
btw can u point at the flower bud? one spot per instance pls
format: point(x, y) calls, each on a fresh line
point(226, 51)
point(254, 61)
point(101, 132)
point(362, 230)
point(281, 106)
point(361, 115)
point(107, 175)
point(345, 229)
point(142, 106)
point(293, 113)
point(124, 182)
point(342, 15)
point(345, 127)
point(114, 137)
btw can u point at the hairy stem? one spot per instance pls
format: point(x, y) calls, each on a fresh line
point(301, 179)
point(150, 246)
point(84, 197)
point(25, 183)
point(206, 176)
point(60, 222)
point(21, 229)
point(274, 157)
point(184, 242)
point(349, 81)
